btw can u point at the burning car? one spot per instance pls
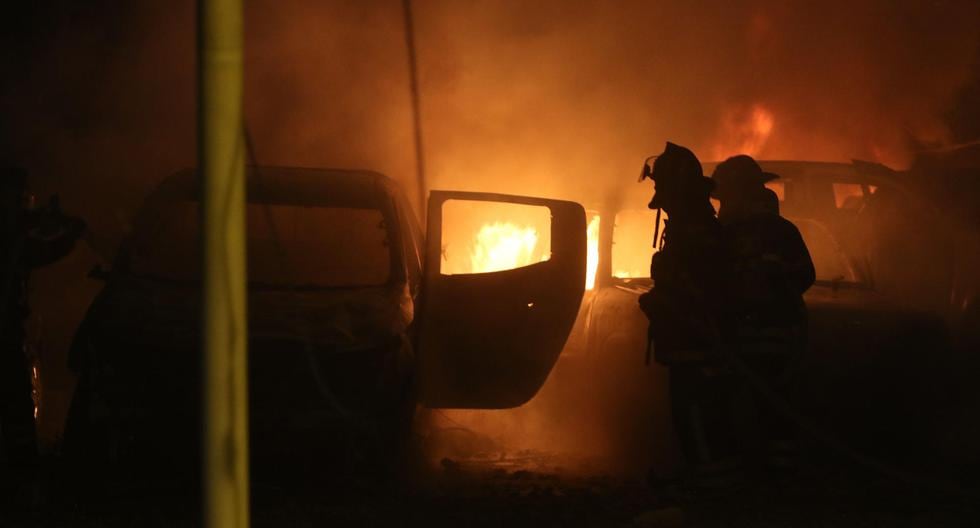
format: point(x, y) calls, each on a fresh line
point(355, 317)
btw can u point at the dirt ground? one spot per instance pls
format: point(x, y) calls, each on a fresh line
point(529, 488)
point(460, 476)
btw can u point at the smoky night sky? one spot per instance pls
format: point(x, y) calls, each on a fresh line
point(561, 98)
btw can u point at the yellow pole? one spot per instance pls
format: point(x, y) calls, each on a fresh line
point(222, 168)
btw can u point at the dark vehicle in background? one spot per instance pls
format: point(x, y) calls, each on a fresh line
point(930, 226)
point(872, 361)
point(351, 324)
point(924, 250)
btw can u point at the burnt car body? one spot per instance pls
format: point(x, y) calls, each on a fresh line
point(863, 371)
point(351, 323)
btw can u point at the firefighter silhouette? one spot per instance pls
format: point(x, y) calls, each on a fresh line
point(771, 269)
point(687, 306)
point(32, 237)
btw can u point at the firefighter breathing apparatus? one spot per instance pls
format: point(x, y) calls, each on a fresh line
point(647, 172)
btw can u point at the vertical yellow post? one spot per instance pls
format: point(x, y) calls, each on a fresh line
point(222, 168)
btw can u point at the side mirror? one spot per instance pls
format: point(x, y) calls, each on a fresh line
point(98, 273)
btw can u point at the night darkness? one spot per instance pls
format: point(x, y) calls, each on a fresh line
point(557, 99)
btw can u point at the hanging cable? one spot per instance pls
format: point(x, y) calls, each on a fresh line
point(413, 81)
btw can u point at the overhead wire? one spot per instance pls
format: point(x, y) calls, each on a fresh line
point(413, 84)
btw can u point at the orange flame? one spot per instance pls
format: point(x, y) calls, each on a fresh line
point(502, 246)
point(744, 131)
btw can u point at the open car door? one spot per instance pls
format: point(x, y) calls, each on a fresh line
point(489, 340)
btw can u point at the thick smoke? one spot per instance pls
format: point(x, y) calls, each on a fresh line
point(570, 95)
point(558, 98)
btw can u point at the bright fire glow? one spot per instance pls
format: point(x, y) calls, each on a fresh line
point(503, 246)
point(592, 257)
point(633, 245)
